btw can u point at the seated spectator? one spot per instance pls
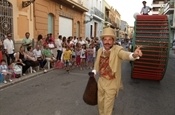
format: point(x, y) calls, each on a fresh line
point(21, 59)
point(38, 55)
point(48, 55)
point(5, 71)
point(31, 58)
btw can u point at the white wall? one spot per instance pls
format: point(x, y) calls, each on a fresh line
point(90, 4)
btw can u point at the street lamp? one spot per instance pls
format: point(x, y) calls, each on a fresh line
point(27, 3)
point(86, 21)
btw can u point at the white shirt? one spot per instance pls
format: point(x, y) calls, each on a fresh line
point(75, 41)
point(37, 53)
point(82, 42)
point(145, 10)
point(9, 46)
point(82, 53)
point(58, 44)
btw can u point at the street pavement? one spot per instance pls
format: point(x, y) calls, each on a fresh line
point(60, 93)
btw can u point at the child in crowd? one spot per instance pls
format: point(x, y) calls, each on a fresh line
point(83, 56)
point(77, 53)
point(5, 71)
point(73, 56)
point(94, 53)
point(67, 57)
point(89, 56)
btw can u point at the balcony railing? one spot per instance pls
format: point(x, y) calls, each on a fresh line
point(168, 7)
point(98, 13)
point(157, 5)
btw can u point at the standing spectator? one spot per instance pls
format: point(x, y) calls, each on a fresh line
point(77, 54)
point(83, 56)
point(75, 40)
point(58, 43)
point(27, 41)
point(5, 71)
point(73, 56)
point(9, 48)
point(90, 56)
point(51, 37)
point(81, 41)
point(94, 52)
point(40, 41)
point(47, 39)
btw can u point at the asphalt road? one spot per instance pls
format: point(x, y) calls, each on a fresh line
point(59, 93)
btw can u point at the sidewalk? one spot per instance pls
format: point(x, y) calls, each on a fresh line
point(23, 78)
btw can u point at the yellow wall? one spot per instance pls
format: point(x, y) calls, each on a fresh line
point(44, 7)
point(22, 20)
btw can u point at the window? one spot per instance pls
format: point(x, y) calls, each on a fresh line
point(50, 23)
point(6, 18)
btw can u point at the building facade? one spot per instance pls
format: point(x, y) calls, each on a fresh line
point(106, 10)
point(61, 17)
point(157, 5)
point(168, 10)
point(124, 31)
point(130, 32)
point(111, 17)
point(16, 19)
point(93, 18)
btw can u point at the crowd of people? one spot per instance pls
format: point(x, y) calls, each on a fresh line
point(71, 52)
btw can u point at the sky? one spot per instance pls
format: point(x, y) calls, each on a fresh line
point(127, 8)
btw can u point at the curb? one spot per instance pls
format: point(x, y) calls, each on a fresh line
point(23, 78)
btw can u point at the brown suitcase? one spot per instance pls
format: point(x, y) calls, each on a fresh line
point(90, 94)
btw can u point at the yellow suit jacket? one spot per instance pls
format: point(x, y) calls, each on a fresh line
point(117, 54)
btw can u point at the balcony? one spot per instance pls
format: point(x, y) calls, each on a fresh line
point(98, 13)
point(155, 12)
point(115, 25)
point(169, 8)
point(157, 5)
point(107, 19)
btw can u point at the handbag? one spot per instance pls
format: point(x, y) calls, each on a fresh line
point(90, 93)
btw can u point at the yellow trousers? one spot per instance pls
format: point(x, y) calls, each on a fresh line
point(106, 95)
